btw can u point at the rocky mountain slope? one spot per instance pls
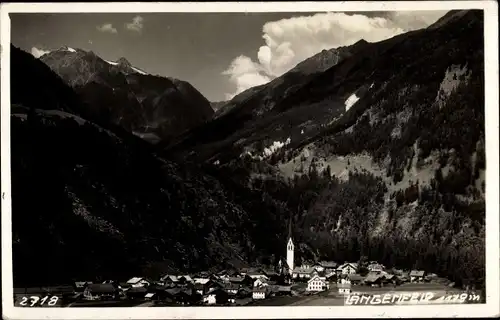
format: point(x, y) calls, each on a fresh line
point(254, 109)
point(380, 155)
point(152, 107)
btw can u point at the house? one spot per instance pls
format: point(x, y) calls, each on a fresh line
point(209, 298)
point(261, 282)
point(201, 280)
point(430, 277)
point(318, 267)
point(169, 278)
point(151, 296)
point(100, 291)
point(139, 282)
point(80, 285)
point(374, 279)
point(331, 276)
point(375, 267)
point(397, 272)
point(233, 273)
point(188, 296)
point(316, 283)
point(329, 266)
point(302, 273)
point(325, 266)
point(231, 298)
point(244, 271)
point(213, 284)
point(231, 288)
point(391, 279)
point(124, 286)
point(185, 279)
point(355, 278)
point(244, 292)
point(218, 296)
point(259, 293)
point(343, 279)
point(199, 288)
point(180, 295)
point(417, 276)
point(257, 275)
point(136, 293)
point(344, 288)
point(347, 268)
point(242, 281)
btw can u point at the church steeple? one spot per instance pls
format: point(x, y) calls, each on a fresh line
point(289, 229)
point(290, 248)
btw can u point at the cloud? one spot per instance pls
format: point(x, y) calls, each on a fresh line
point(136, 24)
point(107, 27)
point(37, 53)
point(290, 41)
point(245, 73)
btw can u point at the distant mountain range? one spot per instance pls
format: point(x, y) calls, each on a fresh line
point(373, 149)
point(152, 107)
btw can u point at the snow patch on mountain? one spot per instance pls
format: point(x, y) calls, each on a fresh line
point(139, 71)
point(275, 147)
point(268, 151)
point(351, 101)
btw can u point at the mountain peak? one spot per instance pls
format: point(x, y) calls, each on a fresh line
point(124, 62)
point(362, 41)
point(66, 49)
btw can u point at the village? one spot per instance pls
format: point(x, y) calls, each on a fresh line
point(230, 287)
point(283, 285)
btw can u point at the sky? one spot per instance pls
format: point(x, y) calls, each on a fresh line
point(221, 54)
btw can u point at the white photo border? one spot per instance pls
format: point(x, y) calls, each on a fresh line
point(491, 308)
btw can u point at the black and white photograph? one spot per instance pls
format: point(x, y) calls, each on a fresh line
point(209, 159)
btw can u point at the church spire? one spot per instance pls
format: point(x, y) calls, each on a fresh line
point(290, 228)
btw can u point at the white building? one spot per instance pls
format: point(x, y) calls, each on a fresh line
point(261, 282)
point(290, 254)
point(138, 282)
point(209, 298)
point(344, 288)
point(347, 268)
point(316, 283)
point(201, 280)
point(303, 273)
point(375, 267)
point(259, 293)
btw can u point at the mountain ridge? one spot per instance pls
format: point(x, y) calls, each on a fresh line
point(153, 107)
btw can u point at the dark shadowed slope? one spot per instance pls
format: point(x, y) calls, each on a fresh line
point(93, 202)
point(152, 107)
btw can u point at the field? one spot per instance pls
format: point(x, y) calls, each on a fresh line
point(333, 298)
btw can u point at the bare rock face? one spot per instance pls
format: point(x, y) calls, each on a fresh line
point(152, 107)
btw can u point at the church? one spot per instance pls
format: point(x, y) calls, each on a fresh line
point(286, 267)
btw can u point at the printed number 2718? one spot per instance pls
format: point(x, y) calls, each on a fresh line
point(33, 301)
